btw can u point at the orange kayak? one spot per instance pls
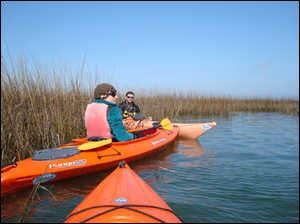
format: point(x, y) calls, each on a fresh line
point(186, 130)
point(123, 197)
point(193, 130)
point(68, 161)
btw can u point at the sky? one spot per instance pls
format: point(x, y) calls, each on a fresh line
point(239, 49)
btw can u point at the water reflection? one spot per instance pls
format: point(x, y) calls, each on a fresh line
point(13, 205)
point(163, 169)
point(189, 147)
point(165, 159)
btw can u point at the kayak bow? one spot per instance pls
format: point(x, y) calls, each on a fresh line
point(123, 197)
point(193, 130)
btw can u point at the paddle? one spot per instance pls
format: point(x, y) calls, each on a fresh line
point(94, 144)
point(165, 123)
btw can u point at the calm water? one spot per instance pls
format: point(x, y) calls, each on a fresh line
point(244, 170)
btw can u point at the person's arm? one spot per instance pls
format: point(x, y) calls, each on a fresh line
point(116, 125)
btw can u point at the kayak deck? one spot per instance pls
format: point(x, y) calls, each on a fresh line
point(123, 197)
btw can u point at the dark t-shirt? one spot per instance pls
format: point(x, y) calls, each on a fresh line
point(129, 109)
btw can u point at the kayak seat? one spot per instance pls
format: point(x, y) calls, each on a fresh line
point(145, 132)
point(54, 153)
point(96, 138)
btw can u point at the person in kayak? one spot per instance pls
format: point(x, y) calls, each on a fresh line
point(132, 116)
point(128, 106)
point(103, 117)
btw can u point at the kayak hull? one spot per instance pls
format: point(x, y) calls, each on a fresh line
point(26, 171)
point(123, 197)
point(193, 130)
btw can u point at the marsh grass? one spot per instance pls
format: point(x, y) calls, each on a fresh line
point(43, 110)
point(178, 105)
point(37, 112)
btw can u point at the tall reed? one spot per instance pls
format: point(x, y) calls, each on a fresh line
point(43, 110)
point(38, 112)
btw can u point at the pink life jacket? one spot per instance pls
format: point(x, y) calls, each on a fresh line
point(96, 122)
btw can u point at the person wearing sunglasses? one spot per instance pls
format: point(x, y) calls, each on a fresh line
point(103, 117)
point(132, 116)
point(128, 107)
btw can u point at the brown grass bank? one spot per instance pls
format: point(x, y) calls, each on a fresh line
point(178, 105)
point(39, 113)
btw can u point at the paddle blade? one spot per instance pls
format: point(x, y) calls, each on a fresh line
point(94, 144)
point(166, 124)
